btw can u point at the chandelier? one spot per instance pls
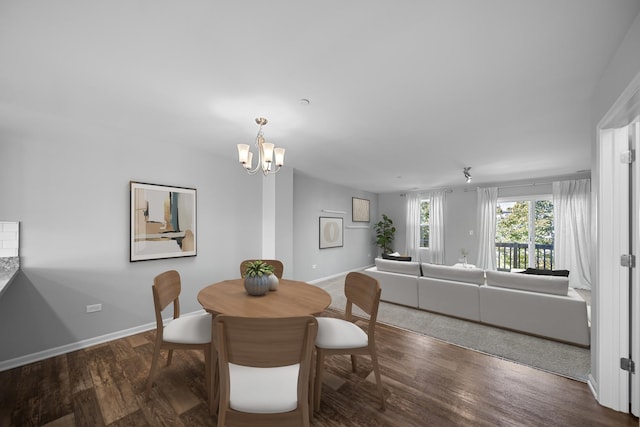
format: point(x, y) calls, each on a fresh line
point(266, 152)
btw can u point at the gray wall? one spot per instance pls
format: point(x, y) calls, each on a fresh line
point(311, 197)
point(284, 220)
point(394, 206)
point(72, 199)
point(459, 211)
point(624, 66)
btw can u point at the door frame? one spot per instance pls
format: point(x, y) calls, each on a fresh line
point(635, 273)
point(610, 309)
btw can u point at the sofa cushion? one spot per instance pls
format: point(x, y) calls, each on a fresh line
point(402, 267)
point(560, 317)
point(557, 285)
point(397, 288)
point(453, 298)
point(457, 274)
point(396, 257)
point(564, 273)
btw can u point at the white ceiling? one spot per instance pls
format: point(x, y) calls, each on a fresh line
point(403, 94)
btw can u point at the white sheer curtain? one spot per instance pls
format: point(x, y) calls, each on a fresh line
point(436, 226)
point(487, 203)
point(413, 226)
point(572, 217)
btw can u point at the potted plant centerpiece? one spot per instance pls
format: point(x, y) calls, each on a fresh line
point(384, 234)
point(257, 277)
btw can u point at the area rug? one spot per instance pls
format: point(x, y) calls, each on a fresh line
point(551, 356)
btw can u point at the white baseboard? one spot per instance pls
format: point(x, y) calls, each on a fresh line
point(593, 385)
point(79, 345)
point(313, 282)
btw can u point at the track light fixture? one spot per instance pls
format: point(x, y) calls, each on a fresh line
point(466, 174)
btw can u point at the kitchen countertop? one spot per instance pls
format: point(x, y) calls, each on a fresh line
point(6, 277)
point(9, 268)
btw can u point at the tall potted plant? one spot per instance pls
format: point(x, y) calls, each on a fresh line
point(384, 234)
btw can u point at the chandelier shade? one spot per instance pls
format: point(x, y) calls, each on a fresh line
point(266, 153)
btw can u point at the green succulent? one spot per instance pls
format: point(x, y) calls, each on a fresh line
point(257, 268)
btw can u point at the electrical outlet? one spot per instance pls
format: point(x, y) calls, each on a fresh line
point(94, 307)
point(313, 266)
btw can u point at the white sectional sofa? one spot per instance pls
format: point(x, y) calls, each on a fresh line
point(534, 304)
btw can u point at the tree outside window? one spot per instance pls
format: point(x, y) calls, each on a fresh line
point(424, 223)
point(516, 222)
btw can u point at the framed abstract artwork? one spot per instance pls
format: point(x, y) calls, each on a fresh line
point(359, 210)
point(163, 222)
point(331, 232)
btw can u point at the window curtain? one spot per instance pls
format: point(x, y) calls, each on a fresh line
point(572, 217)
point(436, 226)
point(487, 203)
point(413, 226)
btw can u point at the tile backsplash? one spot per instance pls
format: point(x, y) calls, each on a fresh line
point(9, 238)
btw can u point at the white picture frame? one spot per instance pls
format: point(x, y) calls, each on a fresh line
point(360, 210)
point(331, 232)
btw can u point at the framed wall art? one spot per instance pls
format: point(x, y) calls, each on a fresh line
point(163, 222)
point(331, 235)
point(359, 210)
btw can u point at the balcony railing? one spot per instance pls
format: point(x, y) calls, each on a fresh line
point(516, 255)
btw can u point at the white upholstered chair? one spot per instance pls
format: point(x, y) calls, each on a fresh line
point(187, 332)
point(265, 368)
point(338, 336)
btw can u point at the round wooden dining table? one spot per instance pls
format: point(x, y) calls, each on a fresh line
point(292, 298)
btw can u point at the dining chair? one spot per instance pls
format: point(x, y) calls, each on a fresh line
point(264, 369)
point(343, 336)
point(186, 332)
point(278, 267)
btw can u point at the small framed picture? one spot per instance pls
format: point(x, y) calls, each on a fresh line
point(360, 210)
point(330, 232)
point(163, 222)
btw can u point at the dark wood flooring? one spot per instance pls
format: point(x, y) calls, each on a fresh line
point(427, 383)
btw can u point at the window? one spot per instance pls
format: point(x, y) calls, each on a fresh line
point(424, 223)
point(524, 233)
